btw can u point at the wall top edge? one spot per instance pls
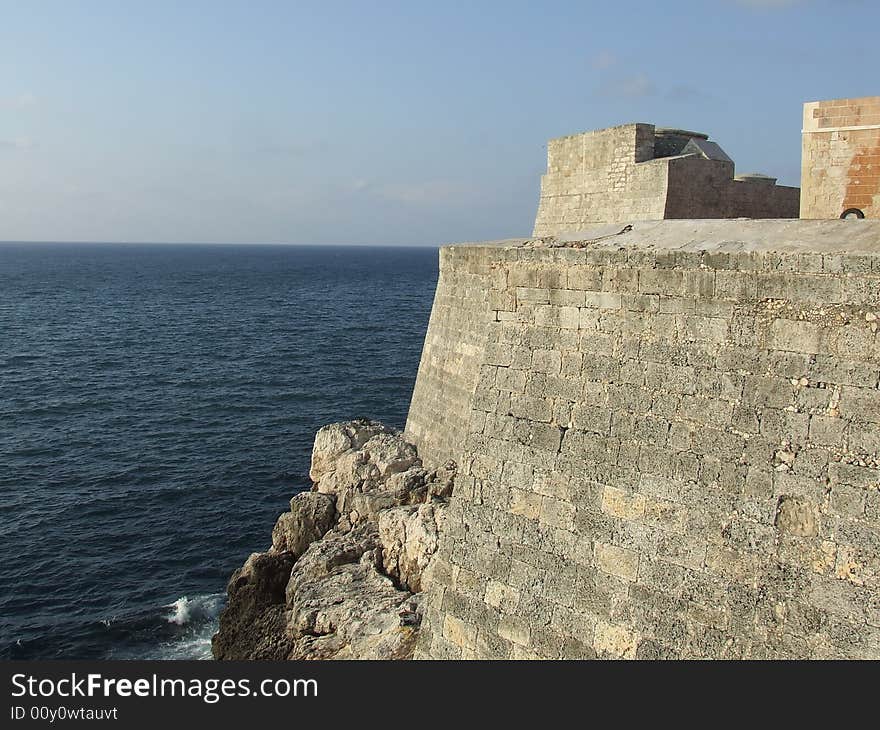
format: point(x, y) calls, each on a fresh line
point(793, 236)
point(845, 100)
point(588, 132)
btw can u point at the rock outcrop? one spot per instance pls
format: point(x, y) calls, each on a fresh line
point(342, 577)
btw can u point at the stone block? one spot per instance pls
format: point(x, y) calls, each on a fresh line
point(796, 516)
point(515, 630)
point(623, 504)
point(786, 334)
point(615, 641)
point(617, 561)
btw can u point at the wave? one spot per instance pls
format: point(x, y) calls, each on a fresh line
point(200, 608)
point(195, 622)
point(178, 630)
point(181, 629)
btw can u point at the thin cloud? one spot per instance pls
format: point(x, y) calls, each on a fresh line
point(291, 149)
point(422, 193)
point(19, 143)
point(603, 60)
point(636, 86)
point(22, 101)
point(686, 93)
point(769, 4)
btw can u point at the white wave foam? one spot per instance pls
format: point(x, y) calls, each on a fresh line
point(196, 647)
point(199, 616)
point(200, 608)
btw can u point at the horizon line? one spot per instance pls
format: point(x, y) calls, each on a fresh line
point(225, 243)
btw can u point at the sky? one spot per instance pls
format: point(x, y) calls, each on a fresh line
point(384, 122)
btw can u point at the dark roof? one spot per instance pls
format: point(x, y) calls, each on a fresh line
point(705, 148)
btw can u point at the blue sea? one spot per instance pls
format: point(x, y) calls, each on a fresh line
point(158, 405)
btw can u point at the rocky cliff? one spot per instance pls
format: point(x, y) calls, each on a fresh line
point(342, 577)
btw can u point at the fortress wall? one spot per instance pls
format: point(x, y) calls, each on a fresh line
point(600, 177)
point(611, 176)
point(670, 449)
point(699, 188)
point(452, 353)
point(600, 149)
point(763, 200)
point(841, 157)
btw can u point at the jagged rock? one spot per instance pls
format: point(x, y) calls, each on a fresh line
point(324, 556)
point(341, 578)
point(368, 504)
point(311, 515)
point(252, 623)
point(391, 454)
point(409, 537)
point(353, 469)
point(364, 464)
point(334, 440)
point(339, 605)
point(366, 498)
point(442, 480)
point(411, 483)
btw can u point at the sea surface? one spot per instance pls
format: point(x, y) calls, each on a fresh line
point(158, 404)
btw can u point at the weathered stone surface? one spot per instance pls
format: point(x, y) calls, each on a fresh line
point(341, 579)
point(390, 454)
point(252, 624)
point(690, 472)
point(337, 438)
point(340, 606)
point(797, 517)
point(311, 515)
point(841, 145)
point(410, 536)
point(358, 457)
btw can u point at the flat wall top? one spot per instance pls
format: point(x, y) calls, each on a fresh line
point(723, 235)
point(586, 132)
point(837, 102)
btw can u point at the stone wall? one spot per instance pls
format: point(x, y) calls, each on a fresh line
point(841, 157)
point(586, 171)
point(452, 354)
point(669, 447)
point(628, 173)
point(698, 188)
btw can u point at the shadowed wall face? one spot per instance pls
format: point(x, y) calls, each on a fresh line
point(666, 452)
point(451, 355)
point(841, 158)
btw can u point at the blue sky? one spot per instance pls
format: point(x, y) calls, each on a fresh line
point(383, 122)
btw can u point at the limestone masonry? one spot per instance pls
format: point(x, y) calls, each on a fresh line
point(639, 172)
point(667, 443)
point(841, 158)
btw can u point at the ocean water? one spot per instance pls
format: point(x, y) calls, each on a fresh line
point(157, 409)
